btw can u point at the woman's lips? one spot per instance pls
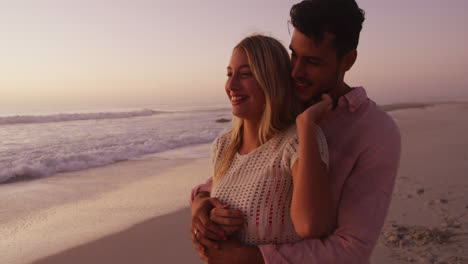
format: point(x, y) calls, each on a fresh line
point(235, 100)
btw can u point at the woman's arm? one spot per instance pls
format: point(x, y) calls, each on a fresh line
point(311, 206)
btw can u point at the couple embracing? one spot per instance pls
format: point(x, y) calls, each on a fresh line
point(306, 173)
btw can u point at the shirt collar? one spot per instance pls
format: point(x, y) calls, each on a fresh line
point(353, 99)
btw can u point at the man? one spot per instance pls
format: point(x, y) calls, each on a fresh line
point(363, 141)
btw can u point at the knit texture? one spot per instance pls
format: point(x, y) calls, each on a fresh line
point(260, 185)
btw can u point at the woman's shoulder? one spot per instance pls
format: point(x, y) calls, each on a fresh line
point(221, 141)
point(289, 134)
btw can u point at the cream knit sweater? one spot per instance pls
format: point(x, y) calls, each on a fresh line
point(260, 185)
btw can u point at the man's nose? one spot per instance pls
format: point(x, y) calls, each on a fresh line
point(298, 69)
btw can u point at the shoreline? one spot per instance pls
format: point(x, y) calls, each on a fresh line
point(389, 108)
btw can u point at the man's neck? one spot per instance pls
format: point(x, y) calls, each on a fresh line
point(339, 91)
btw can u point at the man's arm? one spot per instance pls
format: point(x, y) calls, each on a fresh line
point(362, 210)
point(204, 187)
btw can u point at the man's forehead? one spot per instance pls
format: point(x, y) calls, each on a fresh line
point(300, 41)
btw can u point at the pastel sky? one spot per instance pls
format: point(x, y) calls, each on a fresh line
point(140, 52)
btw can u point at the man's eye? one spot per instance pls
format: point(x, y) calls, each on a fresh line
point(313, 62)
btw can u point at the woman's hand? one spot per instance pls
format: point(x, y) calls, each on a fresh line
point(229, 220)
point(312, 115)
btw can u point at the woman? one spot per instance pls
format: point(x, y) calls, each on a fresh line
point(279, 185)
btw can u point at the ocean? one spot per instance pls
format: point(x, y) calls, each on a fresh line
point(37, 146)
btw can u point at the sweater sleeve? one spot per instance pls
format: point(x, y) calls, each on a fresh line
point(292, 148)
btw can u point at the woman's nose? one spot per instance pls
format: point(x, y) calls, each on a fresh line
point(232, 83)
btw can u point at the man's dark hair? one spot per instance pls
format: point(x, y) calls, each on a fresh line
point(342, 18)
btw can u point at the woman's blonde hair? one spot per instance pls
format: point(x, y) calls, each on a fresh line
point(271, 67)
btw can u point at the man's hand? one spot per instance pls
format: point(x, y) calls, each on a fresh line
point(232, 252)
point(204, 231)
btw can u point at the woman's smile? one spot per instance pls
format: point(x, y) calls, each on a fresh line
point(238, 99)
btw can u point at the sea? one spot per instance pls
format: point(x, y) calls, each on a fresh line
point(35, 146)
point(46, 141)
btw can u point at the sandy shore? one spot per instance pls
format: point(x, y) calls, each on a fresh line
point(130, 222)
point(163, 239)
point(51, 215)
point(428, 217)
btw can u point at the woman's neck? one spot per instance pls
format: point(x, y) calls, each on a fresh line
point(250, 140)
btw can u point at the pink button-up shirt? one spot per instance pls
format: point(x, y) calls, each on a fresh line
point(364, 146)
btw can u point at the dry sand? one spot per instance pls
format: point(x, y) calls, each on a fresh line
point(427, 221)
point(428, 217)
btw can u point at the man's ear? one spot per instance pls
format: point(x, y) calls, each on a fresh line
point(349, 59)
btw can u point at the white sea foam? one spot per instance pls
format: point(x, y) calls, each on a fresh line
point(43, 149)
point(27, 119)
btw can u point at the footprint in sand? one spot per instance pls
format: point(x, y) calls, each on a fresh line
point(438, 201)
point(442, 201)
point(420, 191)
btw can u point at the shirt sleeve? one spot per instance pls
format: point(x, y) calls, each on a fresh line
point(291, 153)
point(206, 186)
point(365, 199)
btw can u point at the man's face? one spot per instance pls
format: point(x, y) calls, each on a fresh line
point(315, 66)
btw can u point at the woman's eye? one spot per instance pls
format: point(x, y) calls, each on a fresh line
point(229, 74)
point(246, 73)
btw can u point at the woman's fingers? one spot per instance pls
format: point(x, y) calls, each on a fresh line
point(216, 203)
point(229, 213)
point(227, 217)
point(227, 221)
point(211, 229)
point(326, 97)
point(229, 230)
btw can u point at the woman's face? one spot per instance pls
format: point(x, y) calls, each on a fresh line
point(243, 90)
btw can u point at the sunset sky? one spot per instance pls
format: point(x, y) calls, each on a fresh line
point(146, 52)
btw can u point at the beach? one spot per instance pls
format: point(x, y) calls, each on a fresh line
point(136, 211)
point(75, 216)
point(428, 217)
